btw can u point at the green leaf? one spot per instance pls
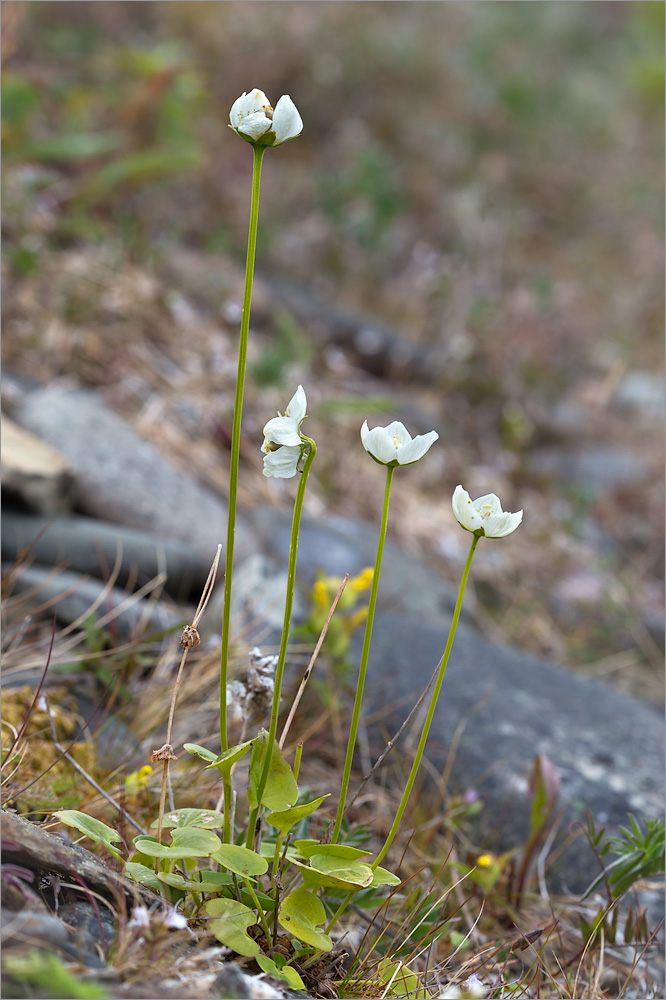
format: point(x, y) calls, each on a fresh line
point(206, 819)
point(225, 761)
point(203, 752)
point(301, 913)
point(40, 973)
point(384, 877)
point(230, 923)
point(210, 881)
point(93, 828)
point(289, 817)
point(335, 873)
point(240, 860)
point(306, 846)
point(281, 790)
point(403, 981)
point(286, 972)
point(341, 851)
point(145, 876)
point(188, 842)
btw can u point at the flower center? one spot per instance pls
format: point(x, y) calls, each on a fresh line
point(397, 441)
point(486, 510)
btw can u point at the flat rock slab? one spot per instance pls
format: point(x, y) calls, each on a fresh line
point(25, 843)
point(34, 471)
point(120, 476)
point(88, 545)
point(608, 748)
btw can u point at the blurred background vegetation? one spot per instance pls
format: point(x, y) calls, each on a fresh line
point(483, 179)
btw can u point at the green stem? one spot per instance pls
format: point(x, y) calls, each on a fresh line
point(351, 743)
point(235, 444)
point(258, 907)
point(286, 625)
point(431, 709)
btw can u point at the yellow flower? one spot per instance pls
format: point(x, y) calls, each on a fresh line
point(363, 580)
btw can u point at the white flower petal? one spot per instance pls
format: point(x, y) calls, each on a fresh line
point(246, 105)
point(378, 444)
point(255, 125)
point(415, 449)
point(298, 406)
point(281, 430)
point(283, 463)
point(485, 515)
point(394, 444)
point(287, 123)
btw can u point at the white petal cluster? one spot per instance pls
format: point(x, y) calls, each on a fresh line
point(485, 515)
point(255, 120)
point(394, 445)
point(283, 444)
point(470, 989)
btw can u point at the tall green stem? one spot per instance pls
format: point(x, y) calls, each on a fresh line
point(351, 744)
point(431, 709)
point(235, 444)
point(286, 625)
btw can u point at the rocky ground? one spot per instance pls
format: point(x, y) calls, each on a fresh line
point(490, 269)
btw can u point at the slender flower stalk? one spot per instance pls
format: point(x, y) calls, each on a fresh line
point(286, 625)
point(235, 444)
point(364, 656)
point(431, 709)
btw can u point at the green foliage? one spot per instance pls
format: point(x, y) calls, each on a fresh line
point(230, 922)
point(302, 913)
point(639, 854)
point(93, 828)
point(35, 973)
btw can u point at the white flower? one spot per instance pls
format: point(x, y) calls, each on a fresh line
point(485, 515)
point(174, 920)
point(394, 445)
point(255, 120)
point(140, 917)
point(470, 989)
point(283, 444)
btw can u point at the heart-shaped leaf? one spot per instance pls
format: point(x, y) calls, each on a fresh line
point(206, 819)
point(240, 860)
point(230, 923)
point(301, 913)
point(285, 972)
point(93, 828)
point(287, 818)
point(335, 873)
point(281, 790)
point(188, 842)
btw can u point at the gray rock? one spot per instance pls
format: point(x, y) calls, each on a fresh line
point(607, 748)
point(592, 467)
point(338, 546)
point(123, 478)
point(34, 472)
point(24, 843)
point(88, 545)
point(74, 597)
